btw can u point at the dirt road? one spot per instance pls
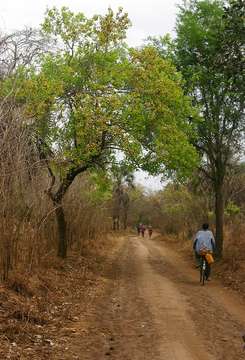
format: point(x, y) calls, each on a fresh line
point(155, 309)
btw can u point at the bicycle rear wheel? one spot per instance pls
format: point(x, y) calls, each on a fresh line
point(202, 271)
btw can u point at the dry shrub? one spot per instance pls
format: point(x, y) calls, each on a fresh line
point(231, 269)
point(234, 245)
point(179, 212)
point(28, 229)
point(22, 184)
point(88, 220)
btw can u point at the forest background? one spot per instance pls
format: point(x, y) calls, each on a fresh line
point(81, 111)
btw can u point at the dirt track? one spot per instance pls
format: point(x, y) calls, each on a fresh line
point(154, 308)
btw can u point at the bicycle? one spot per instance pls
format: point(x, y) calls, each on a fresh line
point(206, 261)
point(203, 269)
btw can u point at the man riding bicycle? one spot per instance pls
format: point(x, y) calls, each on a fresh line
point(204, 242)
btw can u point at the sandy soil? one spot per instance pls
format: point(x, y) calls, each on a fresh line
point(152, 307)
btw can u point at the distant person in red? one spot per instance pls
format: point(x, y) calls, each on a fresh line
point(150, 231)
point(142, 230)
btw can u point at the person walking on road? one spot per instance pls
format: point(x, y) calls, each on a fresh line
point(142, 230)
point(139, 229)
point(150, 231)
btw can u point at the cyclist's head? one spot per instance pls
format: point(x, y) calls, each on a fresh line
point(205, 226)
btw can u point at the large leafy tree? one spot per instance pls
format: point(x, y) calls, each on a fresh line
point(210, 54)
point(94, 97)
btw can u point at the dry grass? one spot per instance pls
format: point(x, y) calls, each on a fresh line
point(232, 268)
point(34, 308)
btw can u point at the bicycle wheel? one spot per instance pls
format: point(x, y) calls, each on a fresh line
point(202, 271)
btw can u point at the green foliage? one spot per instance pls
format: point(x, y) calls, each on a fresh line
point(176, 201)
point(122, 174)
point(164, 45)
point(66, 26)
point(232, 39)
point(210, 54)
point(178, 210)
point(99, 189)
point(162, 113)
point(232, 209)
point(205, 32)
point(94, 96)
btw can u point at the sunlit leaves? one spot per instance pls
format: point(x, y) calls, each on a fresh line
point(162, 113)
point(93, 97)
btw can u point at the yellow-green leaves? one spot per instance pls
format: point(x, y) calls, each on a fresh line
point(111, 28)
point(162, 113)
point(67, 27)
point(94, 96)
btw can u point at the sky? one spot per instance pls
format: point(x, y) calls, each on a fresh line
point(155, 17)
point(149, 18)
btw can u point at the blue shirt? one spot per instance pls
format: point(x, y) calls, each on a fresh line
point(204, 239)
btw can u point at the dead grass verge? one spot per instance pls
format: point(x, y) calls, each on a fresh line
point(36, 308)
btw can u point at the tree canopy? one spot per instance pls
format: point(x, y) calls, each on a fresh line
point(92, 97)
point(209, 48)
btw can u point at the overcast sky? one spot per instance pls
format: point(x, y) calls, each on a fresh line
point(155, 17)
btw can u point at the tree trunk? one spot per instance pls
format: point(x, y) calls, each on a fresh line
point(125, 218)
point(115, 223)
point(219, 215)
point(62, 235)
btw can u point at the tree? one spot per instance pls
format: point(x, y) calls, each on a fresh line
point(235, 184)
point(95, 97)
point(120, 207)
point(123, 178)
point(21, 48)
point(209, 53)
